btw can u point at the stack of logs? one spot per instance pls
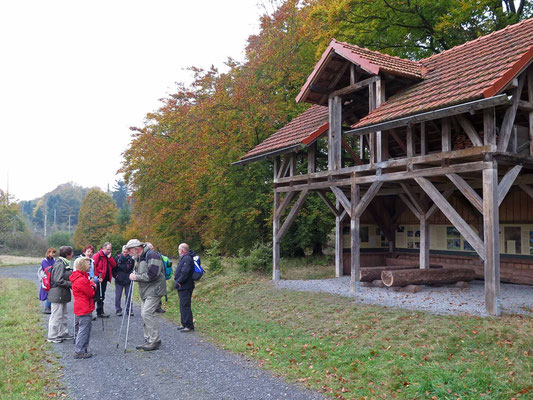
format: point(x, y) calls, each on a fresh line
point(402, 273)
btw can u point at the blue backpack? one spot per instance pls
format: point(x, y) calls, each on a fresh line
point(167, 263)
point(198, 270)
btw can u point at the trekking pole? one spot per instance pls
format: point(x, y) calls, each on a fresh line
point(124, 315)
point(129, 316)
point(102, 300)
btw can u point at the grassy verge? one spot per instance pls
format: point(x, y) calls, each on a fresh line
point(351, 351)
point(28, 369)
point(10, 261)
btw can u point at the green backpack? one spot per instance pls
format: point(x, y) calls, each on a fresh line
point(167, 263)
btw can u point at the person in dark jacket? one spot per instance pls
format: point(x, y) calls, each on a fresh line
point(121, 274)
point(185, 286)
point(48, 261)
point(103, 269)
point(83, 290)
point(59, 295)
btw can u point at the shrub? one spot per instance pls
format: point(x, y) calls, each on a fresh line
point(116, 240)
point(59, 239)
point(259, 259)
point(213, 257)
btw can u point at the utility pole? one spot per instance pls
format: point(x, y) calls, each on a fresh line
point(69, 223)
point(45, 218)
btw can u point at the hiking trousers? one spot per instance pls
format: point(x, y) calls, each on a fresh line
point(57, 325)
point(119, 289)
point(150, 323)
point(84, 333)
point(185, 296)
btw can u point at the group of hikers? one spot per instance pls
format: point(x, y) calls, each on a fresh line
point(86, 281)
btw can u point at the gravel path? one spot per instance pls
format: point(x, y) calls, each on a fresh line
point(515, 299)
point(186, 366)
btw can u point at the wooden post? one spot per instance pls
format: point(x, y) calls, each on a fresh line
point(423, 145)
point(446, 135)
point(275, 242)
point(424, 242)
point(379, 94)
point(339, 270)
point(491, 229)
point(530, 98)
point(311, 158)
point(489, 128)
point(371, 135)
point(335, 133)
point(292, 164)
point(410, 142)
point(354, 241)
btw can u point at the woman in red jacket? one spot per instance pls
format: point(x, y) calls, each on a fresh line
point(83, 290)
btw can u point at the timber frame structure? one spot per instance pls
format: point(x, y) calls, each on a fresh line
point(404, 116)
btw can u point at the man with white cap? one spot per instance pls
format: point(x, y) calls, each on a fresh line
point(150, 273)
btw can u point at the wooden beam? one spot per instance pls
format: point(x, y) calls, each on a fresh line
point(354, 240)
point(292, 215)
point(351, 152)
point(423, 144)
point(467, 191)
point(407, 189)
point(509, 117)
point(410, 142)
point(330, 205)
point(410, 205)
point(341, 197)
point(433, 208)
point(311, 158)
point(530, 116)
point(339, 245)
point(398, 140)
point(367, 198)
point(353, 87)
point(334, 133)
point(292, 164)
point(334, 82)
point(452, 215)
point(491, 229)
point(284, 167)
point(506, 182)
point(424, 242)
point(286, 201)
point(432, 115)
point(393, 176)
point(469, 129)
point(275, 241)
point(446, 135)
point(489, 128)
point(276, 168)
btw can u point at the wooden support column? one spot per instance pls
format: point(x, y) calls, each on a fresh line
point(446, 135)
point(379, 94)
point(530, 97)
point(489, 128)
point(311, 158)
point(423, 144)
point(292, 164)
point(424, 242)
point(509, 117)
point(339, 271)
point(410, 142)
point(491, 228)
point(275, 241)
point(355, 263)
point(334, 133)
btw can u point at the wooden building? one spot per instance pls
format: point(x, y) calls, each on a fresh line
point(429, 159)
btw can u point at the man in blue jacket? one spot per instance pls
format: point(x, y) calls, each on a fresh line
point(185, 286)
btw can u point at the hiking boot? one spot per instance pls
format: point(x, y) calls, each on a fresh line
point(131, 313)
point(54, 340)
point(152, 346)
point(47, 310)
point(78, 356)
point(66, 336)
point(160, 311)
point(103, 315)
point(185, 330)
point(93, 317)
point(119, 313)
point(180, 328)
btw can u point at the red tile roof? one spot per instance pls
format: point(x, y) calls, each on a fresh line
point(371, 61)
point(476, 69)
point(303, 129)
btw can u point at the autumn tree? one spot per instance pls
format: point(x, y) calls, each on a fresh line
point(96, 219)
point(412, 28)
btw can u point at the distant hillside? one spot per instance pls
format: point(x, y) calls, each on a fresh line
point(59, 208)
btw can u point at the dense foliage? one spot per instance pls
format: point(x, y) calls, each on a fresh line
point(96, 219)
point(178, 164)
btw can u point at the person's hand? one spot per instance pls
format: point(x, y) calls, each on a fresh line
point(133, 277)
point(100, 279)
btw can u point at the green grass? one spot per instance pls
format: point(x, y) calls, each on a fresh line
point(351, 351)
point(11, 261)
point(29, 370)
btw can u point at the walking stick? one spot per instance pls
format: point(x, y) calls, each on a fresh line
point(128, 311)
point(102, 300)
point(129, 316)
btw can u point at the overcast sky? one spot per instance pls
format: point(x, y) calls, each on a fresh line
point(75, 75)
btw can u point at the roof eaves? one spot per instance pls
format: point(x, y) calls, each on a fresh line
point(272, 153)
point(319, 65)
point(512, 72)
